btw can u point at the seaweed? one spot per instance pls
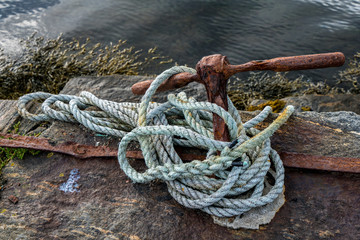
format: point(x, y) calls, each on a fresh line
point(271, 87)
point(48, 64)
point(276, 105)
point(351, 75)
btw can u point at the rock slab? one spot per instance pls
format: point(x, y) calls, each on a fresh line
point(107, 205)
point(326, 103)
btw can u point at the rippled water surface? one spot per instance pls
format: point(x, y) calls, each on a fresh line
point(188, 30)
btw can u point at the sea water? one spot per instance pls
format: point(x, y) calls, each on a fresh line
point(186, 30)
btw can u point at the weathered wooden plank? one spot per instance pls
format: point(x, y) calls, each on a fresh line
point(8, 115)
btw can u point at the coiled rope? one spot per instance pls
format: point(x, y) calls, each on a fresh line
point(224, 185)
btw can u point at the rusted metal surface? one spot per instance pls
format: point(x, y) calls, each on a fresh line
point(43, 144)
point(284, 64)
point(341, 164)
point(280, 64)
point(290, 159)
point(176, 81)
point(77, 150)
point(13, 199)
point(211, 71)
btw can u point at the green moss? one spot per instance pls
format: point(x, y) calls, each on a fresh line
point(47, 64)
point(7, 154)
point(277, 105)
point(15, 129)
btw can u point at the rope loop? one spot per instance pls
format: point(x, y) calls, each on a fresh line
point(224, 185)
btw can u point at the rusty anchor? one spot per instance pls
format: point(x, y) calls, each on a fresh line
point(214, 71)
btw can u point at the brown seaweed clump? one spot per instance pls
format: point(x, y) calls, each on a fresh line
point(47, 64)
point(271, 87)
point(276, 105)
point(351, 75)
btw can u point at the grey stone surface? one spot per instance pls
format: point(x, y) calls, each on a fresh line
point(326, 103)
point(334, 134)
point(346, 121)
point(118, 88)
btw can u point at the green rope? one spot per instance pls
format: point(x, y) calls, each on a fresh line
point(224, 185)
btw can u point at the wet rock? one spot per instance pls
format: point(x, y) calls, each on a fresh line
point(107, 205)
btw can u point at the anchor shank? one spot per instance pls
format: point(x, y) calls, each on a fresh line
point(211, 72)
